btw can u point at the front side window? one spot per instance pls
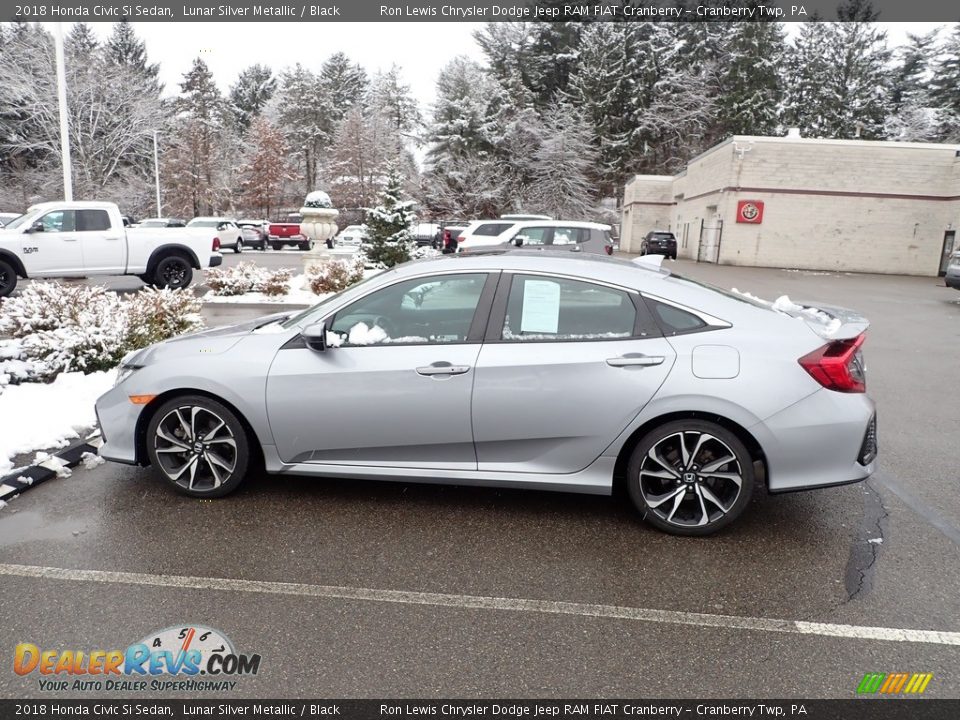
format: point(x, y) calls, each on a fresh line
point(59, 221)
point(546, 308)
point(432, 310)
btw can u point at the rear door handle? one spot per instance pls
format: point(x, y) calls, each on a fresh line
point(442, 368)
point(631, 359)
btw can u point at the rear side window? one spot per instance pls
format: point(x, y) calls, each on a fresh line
point(599, 235)
point(545, 308)
point(673, 320)
point(569, 236)
point(92, 220)
point(491, 229)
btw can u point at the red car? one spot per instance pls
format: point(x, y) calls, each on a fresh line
point(282, 234)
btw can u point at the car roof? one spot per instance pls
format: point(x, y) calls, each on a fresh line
point(212, 217)
point(73, 205)
point(563, 224)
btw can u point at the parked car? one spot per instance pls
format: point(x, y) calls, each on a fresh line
point(227, 230)
point(953, 272)
point(562, 235)
point(426, 233)
point(535, 370)
point(449, 235)
point(253, 237)
point(282, 234)
point(162, 223)
point(6, 218)
point(351, 236)
point(80, 239)
point(659, 242)
point(485, 233)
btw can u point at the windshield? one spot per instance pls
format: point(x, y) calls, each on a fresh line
point(153, 223)
point(21, 221)
point(204, 223)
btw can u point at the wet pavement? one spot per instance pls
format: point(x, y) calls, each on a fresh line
point(885, 554)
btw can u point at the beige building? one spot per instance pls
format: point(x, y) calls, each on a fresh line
point(854, 205)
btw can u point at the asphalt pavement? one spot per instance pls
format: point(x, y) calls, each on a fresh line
point(366, 589)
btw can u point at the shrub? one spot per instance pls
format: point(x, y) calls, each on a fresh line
point(155, 315)
point(424, 252)
point(335, 275)
point(245, 277)
point(63, 328)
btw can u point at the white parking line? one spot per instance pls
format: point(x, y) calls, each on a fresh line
point(479, 602)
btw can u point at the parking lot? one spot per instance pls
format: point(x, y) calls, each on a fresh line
point(503, 593)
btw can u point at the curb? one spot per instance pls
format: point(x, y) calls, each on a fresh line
point(21, 481)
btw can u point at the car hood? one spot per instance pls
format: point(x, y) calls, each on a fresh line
point(206, 342)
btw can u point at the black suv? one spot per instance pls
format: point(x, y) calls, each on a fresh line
point(659, 242)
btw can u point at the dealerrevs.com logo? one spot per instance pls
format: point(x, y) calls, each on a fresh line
point(185, 658)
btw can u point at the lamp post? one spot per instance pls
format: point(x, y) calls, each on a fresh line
point(156, 173)
point(64, 125)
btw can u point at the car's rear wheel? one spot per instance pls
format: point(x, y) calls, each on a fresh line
point(8, 278)
point(276, 246)
point(308, 245)
point(690, 477)
point(173, 272)
point(199, 446)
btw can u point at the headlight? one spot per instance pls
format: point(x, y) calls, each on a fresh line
point(124, 372)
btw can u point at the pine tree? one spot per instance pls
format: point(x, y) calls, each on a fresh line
point(389, 96)
point(750, 79)
point(459, 112)
point(306, 114)
point(123, 47)
point(388, 224)
point(363, 150)
point(81, 41)
point(250, 93)
point(808, 87)
point(562, 167)
point(344, 83)
point(915, 116)
point(945, 89)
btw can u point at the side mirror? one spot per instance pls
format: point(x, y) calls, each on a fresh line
point(315, 336)
point(518, 240)
point(36, 227)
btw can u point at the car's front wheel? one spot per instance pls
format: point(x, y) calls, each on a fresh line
point(238, 248)
point(690, 477)
point(199, 446)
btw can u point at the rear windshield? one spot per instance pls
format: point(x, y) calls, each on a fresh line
point(732, 294)
point(664, 236)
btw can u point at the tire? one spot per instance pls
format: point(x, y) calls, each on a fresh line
point(205, 467)
point(238, 248)
point(673, 257)
point(306, 245)
point(276, 246)
point(709, 501)
point(173, 272)
point(8, 278)
point(643, 249)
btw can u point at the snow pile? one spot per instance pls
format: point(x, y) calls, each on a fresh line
point(38, 415)
point(245, 277)
point(425, 252)
point(59, 328)
point(297, 291)
point(361, 334)
point(786, 306)
point(91, 460)
point(335, 275)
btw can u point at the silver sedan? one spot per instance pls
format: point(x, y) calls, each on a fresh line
point(521, 369)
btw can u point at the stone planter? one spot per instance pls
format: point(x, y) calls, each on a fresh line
point(319, 224)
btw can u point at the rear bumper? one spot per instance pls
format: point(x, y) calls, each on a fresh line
point(826, 439)
point(216, 260)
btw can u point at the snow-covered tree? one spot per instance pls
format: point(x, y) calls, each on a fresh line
point(945, 90)
point(344, 83)
point(915, 116)
point(459, 112)
point(562, 166)
point(750, 79)
point(807, 86)
point(388, 224)
point(306, 114)
point(123, 47)
point(391, 97)
point(81, 40)
point(364, 148)
point(250, 93)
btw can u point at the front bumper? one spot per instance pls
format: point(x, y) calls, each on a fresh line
point(953, 279)
point(118, 419)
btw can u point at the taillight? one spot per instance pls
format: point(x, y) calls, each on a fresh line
point(216, 244)
point(608, 249)
point(460, 238)
point(838, 365)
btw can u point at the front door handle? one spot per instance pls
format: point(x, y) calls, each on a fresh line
point(442, 368)
point(632, 359)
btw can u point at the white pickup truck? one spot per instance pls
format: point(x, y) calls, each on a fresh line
point(77, 239)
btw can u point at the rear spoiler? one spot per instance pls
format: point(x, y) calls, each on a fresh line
point(827, 321)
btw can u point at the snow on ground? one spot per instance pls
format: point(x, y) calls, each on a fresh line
point(34, 416)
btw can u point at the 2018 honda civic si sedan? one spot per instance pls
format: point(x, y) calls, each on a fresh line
point(517, 369)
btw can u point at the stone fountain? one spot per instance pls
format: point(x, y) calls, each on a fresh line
point(319, 224)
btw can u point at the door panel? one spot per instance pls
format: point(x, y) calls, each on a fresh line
point(555, 407)
point(57, 250)
point(104, 248)
point(370, 406)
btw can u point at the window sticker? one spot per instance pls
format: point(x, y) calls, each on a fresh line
point(541, 307)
